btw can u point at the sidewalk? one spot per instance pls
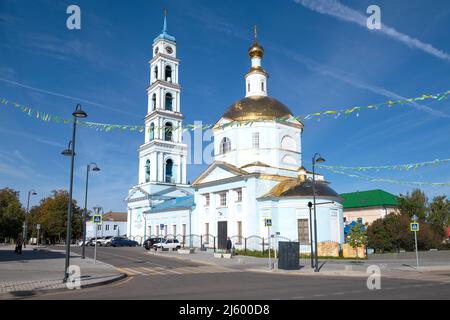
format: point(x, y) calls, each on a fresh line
point(40, 269)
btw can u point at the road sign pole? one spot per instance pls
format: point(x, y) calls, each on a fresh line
point(270, 259)
point(417, 251)
point(95, 247)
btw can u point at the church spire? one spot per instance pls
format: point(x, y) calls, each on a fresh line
point(256, 78)
point(165, 21)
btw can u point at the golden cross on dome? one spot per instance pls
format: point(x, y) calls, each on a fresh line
point(255, 33)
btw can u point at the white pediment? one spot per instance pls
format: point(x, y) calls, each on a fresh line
point(218, 174)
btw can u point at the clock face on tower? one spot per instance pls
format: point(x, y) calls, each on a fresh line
point(169, 49)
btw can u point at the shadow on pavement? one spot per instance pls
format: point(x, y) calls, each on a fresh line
point(27, 255)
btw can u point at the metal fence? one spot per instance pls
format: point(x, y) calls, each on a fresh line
point(209, 242)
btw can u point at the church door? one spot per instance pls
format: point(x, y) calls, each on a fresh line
point(222, 234)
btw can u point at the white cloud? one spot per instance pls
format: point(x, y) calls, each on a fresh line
point(338, 10)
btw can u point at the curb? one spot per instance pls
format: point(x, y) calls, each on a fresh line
point(312, 274)
point(183, 258)
point(17, 295)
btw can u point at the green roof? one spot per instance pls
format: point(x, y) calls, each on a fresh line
point(371, 198)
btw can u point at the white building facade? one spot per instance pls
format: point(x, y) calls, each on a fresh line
point(257, 172)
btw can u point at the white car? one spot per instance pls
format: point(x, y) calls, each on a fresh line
point(104, 241)
point(173, 244)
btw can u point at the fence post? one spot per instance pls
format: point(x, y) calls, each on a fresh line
point(201, 241)
point(263, 244)
point(184, 240)
point(214, 244)
point(245, 245)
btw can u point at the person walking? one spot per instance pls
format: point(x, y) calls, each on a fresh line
point(19, 243)
point(229, 245)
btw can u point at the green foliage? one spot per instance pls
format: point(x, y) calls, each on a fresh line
point(415, 203)
point(357, 236)
point(51, 214)
point(12, 214)
point(439, 212)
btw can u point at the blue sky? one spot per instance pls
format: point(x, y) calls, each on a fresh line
point(318, 56)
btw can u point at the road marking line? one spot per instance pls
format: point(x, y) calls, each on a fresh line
point(135, 271)
point(153, 271)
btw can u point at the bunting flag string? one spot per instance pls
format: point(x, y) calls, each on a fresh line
point(400, 167)
point(105, 127)
point(393, 181)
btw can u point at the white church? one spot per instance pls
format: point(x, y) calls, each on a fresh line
point(257, 172)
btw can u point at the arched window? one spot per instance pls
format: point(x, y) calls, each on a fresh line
point(262, 86)
point(168, 129)
point(288, 143)
point(152, 131)
point(169, 170)
point(169, 100)
point(156, 73)
point(225, 146)
point(288, 160)
point(168, 72)
point(147, 171)
point(154, 101)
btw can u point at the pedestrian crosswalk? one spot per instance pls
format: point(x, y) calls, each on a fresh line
point(155, 271)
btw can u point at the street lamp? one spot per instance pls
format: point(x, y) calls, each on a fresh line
point(316, 159)
point(25, 226)
point(70, 152)
point(88, 168)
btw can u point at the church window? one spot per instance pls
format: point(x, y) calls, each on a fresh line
point(174, 230)
point(288, 143)
point(223, 199)
point(262, 86)
point(225, 146)
point(165, 230)
point(303, 231)
point(248, 87)
point(150, 231)
point(168, 76)
point(168, 130)
point(156, 73)
point(154, 101)
point(157, 230)
point(147, 171)
point(152, 131)
point(107, 227)
point(169, 100)
point(239, 195)
point(289, 160)
point(255, 140)
point(169, 171)
point(207, 200)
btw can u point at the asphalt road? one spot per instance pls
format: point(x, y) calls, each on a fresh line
point(160, 278)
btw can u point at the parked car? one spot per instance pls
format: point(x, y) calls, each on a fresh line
point(150, 242)
point(173, 244)
point(103, 240)
point(123, 242)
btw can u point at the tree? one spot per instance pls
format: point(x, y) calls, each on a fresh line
point(439, 213)
point(357, 237)
point(12, 214)
point(51, 214)
point(415, 203)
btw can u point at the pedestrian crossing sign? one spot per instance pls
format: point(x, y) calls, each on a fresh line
point(97, 219)
point(268, 222)
point(415, 227)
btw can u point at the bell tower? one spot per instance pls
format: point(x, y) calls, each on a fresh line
point(163, 156)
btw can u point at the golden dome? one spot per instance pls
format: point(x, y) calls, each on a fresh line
point(257, 108)
point(256, 50)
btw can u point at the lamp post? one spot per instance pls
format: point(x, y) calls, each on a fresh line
point(70, 152)
point(316, 159)
point(25, 226)
point(85, 216)
point(310, 205)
